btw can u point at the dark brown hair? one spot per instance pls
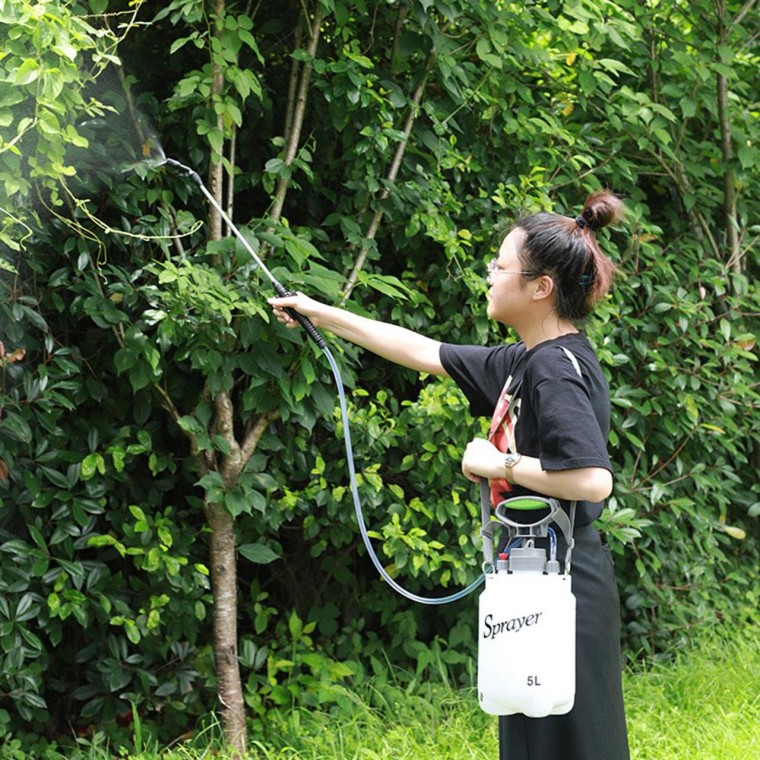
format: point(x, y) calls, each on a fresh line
point(566, 249)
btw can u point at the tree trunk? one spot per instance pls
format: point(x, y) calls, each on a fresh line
point(222, 541)
point(224, 587)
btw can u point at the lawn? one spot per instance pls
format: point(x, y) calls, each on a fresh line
point(702, 704)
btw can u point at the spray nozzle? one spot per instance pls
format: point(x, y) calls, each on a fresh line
point(194, 176)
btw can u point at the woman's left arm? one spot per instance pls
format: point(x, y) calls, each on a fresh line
point(483, 460)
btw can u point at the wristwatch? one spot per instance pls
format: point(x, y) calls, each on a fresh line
point(510, 460)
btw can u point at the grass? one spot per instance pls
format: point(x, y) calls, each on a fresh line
point(702, 705)
point(390, 723)
point(705, 704)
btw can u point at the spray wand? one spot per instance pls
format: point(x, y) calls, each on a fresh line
point(320, 342)
point(276, 284)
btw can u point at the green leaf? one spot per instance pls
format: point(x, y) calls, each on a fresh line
point(15, 425)
point(688, 107)
point(124, 360)
point(37, 537)
point(91, 464)
point(747, 155)
point(27, 72)
point(258, 553)
point(587, 82)
point(386, 284)
point(295, 626)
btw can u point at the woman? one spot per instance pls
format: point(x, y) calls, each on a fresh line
point(549, 274)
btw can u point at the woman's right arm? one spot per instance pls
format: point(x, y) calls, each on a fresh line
point(397, 344)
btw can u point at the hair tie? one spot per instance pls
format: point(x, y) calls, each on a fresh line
point(581, 222)
point(586, 280)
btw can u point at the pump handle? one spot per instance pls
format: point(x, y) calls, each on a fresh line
point(529, 503)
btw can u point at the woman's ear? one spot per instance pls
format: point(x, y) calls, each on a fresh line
point(543, 287)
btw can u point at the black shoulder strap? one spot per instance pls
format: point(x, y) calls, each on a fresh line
point(566, 524)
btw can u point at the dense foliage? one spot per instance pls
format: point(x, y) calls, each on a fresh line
point(371, 152)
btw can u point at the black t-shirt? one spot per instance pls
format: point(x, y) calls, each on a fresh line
point(564, 418)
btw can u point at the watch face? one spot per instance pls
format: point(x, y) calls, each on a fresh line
point(511, 459)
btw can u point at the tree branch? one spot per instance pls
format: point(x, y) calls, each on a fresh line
point(702, 228)
point(390, 179)
point(202, 459)
point(729, 179)
point(254, 432)
point(295, 67)
point(741, 14)
point(232, 152)
point(215, 170)
point(403, 11)
point(294, 138)
point(730, 222)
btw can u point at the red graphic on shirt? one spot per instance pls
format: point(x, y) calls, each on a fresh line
point(502, 435)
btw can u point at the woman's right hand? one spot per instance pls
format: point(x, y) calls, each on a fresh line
point(397, 344)
point(300, 303)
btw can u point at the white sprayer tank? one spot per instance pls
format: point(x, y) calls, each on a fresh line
point(526, 647)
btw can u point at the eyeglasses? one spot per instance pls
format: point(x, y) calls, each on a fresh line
point(493, 268)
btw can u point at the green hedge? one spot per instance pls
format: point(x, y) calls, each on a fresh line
point(138, 324)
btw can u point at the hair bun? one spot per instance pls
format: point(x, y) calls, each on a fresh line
point(601, 209)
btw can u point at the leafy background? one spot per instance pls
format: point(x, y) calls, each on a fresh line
point(371, 152)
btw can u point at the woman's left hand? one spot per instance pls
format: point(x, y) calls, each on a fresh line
point(482, 460)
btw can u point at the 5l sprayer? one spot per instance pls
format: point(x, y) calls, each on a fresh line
point(526, 630)
point(526, 652)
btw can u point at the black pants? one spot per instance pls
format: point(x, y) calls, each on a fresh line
point(595, 728)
